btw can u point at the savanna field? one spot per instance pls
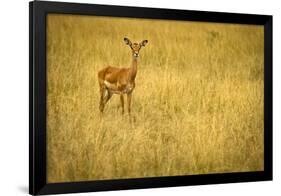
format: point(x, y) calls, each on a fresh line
point(197, 107)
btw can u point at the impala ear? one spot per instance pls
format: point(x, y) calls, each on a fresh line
point(127, 41)
point(144, 42)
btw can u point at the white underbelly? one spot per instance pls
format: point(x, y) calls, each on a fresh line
point(113, 88)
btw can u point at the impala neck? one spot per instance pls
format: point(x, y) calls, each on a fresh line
point(134, 68)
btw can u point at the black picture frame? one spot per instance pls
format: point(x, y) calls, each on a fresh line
point(38, 11)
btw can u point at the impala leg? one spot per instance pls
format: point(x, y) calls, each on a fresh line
point(104, 98)
point(107, 96)
point(122, 102)
point(102, 92)
point(129, 98)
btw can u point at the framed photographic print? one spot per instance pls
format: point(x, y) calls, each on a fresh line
point(130, 97)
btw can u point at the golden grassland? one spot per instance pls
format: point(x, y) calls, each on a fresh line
point(197, 107)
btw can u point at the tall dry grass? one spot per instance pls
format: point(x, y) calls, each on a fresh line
point(197, 106)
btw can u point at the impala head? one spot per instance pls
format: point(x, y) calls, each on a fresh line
point(135, 46)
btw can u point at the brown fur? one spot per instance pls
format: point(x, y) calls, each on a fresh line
point(114, 80)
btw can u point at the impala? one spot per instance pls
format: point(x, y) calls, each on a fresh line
point(114, 80)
